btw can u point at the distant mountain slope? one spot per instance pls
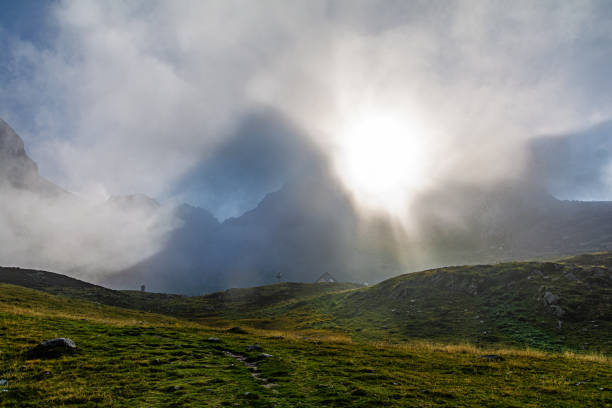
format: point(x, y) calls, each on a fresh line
point(41, 280)
point(307, 227)
point(232, 300)
point(310, 226)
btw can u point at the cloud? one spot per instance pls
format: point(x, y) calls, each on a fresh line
point(152, 96)
point(263, 152)
point(133, 95)
point(576, 165)
point(65, 234)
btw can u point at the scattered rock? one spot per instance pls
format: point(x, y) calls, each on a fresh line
point(557, 310)
point(213, 340)
point(254, 347)
point(570, 276)
point(250, 395)
point(265, 355)
point(53, 348)
point(237, 329)
point(492, 357)
point(551, 299)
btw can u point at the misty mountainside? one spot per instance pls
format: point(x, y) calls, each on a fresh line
point(42, 226)
point(309, 226)
point(300, 231)
point(17, 170)
point(312, 225)
point(566, 304)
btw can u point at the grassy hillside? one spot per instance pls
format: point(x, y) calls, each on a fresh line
point(554, 306)
point(133, 358)
point(550, 306)
point(229, 302)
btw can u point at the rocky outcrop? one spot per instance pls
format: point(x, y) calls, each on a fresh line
point(17, 170)
point(551, 300)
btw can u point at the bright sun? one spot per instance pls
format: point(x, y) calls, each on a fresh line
point(382, 159)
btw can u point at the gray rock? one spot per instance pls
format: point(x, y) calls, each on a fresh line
point(551, 299)
point(265, 355)
point(557, 310)
point(54, 347)
point(254, 347)
point(213, 340)
point(570, 276)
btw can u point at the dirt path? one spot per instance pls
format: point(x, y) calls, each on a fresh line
point(252, 367)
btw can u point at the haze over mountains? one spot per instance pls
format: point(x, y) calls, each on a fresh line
point(310, 225)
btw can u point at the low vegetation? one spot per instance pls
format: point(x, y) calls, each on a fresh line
point(460, 336)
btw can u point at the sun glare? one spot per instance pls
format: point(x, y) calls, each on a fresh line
point(382, 158)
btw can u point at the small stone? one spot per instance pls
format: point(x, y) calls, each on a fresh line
point(254, 347)
point(557, 310)
point(492, 357)
point(250, 395)
point(237, 329)
point(3, 382)
point(265, 355)
point(570, 276)
point(213, 340)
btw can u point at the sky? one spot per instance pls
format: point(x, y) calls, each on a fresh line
point(213, 102)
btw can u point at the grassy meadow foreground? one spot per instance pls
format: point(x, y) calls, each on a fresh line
point(414, 340)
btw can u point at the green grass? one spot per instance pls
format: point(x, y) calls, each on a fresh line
point(133, 358)
point(486, 305)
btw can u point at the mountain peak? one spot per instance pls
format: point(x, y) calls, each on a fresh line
point(10, 142)
point(17, 170)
